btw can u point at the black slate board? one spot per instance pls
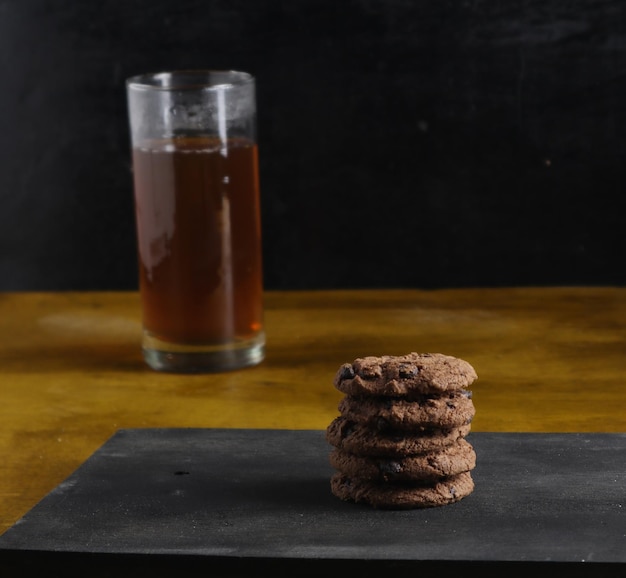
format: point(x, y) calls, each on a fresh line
point(255, 499)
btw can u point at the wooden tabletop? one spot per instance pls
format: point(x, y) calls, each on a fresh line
point(71, 371)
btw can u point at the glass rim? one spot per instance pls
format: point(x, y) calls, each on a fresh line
point(190, 79)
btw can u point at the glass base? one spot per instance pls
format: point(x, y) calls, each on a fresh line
point(176, 358)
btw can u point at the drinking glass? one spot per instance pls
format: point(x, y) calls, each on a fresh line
point(196, 190)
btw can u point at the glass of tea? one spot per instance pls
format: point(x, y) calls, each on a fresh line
point(196, 188)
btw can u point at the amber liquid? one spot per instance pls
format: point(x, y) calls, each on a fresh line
point(199, 235)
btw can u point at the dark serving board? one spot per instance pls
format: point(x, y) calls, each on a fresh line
point(242, 500)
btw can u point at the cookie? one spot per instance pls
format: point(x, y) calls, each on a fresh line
point(361, 440)
point(402, 496)
point(404, 375)
point(449, 461)
point(448, 410)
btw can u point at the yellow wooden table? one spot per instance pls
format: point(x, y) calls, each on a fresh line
point(71, 371)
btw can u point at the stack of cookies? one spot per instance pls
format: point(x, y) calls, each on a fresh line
point(400, 439)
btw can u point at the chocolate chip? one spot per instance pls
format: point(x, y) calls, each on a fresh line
point(346, 372)
point(381, 424)
point(347, 429)
point(389, 468)
point(407, 371)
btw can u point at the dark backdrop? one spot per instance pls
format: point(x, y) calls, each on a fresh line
point(403, 143)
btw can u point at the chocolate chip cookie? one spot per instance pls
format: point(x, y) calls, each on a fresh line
point(402, 496)
point(362, 440)
point(448, 410)
point(405, 375)
point(448, 461)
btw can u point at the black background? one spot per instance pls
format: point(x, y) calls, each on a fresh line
point(403, 143)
